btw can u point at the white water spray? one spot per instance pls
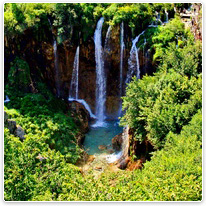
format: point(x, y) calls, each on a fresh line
point(83, 102)
point(7, 99)
point(133, 62)
point(74, 86)
point(100, 75)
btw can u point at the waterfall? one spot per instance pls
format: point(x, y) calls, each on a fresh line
point(74, 86)
point(123, 154)
point(73, 91)
point(133, 62)
point(83, 102)
point(56, 66)
point(166, 16)
point(100, 75)
point(7, 99)
point(106, 44)
point(122, 46)
point(158, 17)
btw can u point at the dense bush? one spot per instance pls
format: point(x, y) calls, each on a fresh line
point(156, 105)
point(46, 116)
point(32, 169)
point(19, 76)
point(69, 19)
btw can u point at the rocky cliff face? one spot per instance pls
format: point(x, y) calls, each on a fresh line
point(39, 54)
point(87, 69)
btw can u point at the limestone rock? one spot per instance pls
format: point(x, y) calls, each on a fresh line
point(102, 147)
point(6, 117)
point(91, 158)
point(81, 118)
point(123, 163)
point(20, 132)
point(82, 115)
point(11, 126)
point(117, 142)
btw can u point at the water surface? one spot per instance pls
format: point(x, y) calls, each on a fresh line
point(101, 136)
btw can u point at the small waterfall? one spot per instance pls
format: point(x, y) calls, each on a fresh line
point(123, 154)
point(100, 75)
point(56, 63)
point(83, 102)
point(56, 66)
point(106, 44)
point(158, 17)
point(74, 86)
point(133, 62)
point(73, 91)
point(122, 46)
point(166, 16)
point(7, 99)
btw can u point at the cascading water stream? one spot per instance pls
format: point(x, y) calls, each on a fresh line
point(166, 16)
point(102, 132)
point(73, 91)
point(133, 62)
point(106, 44)
point(122, 46)
point(74, 86)
point(100, 75)
point(87, 107)
point(158, 17)
point(7, 99)
point(56, 66)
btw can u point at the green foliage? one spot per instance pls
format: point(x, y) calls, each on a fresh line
point(162, 103)
point(68, 19)
point(173, 174)
point(171, 32)
point(20, 16)
point(33, 166)
point(47, 120)
point(166, 102)
point(137, 16)
point(186, 60)
point(26, 176)
point(19, 76)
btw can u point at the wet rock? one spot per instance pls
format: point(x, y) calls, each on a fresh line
point(110, 151)
point(123, 163)
point(112, 106)
point(6, 117)
point(20, 132)
point(82, 115)
point(117, 142)
point(11, 126)
point(102, 147)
